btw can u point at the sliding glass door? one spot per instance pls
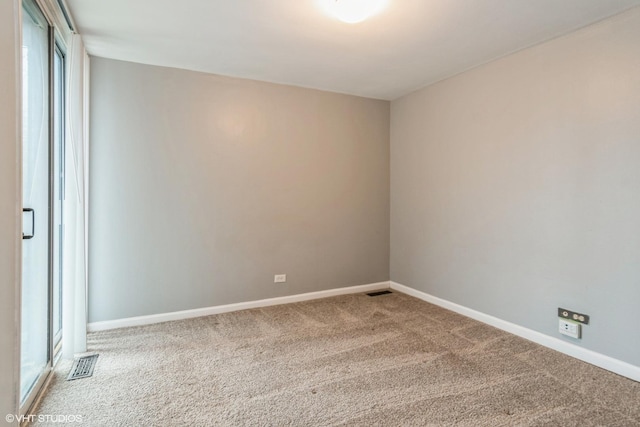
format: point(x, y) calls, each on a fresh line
point(42, 185)
point(35, 357)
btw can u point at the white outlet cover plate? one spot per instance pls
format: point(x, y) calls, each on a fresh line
point(280, 278)
point(569, 328)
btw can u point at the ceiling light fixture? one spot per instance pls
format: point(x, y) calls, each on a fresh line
point(352, 11)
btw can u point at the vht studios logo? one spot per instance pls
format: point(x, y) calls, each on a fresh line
point(44, 418)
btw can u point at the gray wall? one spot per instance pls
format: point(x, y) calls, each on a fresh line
point(9, 207)
point(204, 187)
point(515, 187)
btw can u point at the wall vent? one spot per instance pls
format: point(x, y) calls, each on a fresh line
point(375, 294)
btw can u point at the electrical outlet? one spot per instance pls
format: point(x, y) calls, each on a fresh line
point(569, 328)
point(280, 278)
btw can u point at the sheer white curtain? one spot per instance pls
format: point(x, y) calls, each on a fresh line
point(74, 301)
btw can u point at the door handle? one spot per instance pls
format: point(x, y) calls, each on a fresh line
point(33, 223)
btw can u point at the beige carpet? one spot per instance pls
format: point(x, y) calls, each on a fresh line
point(390, 360)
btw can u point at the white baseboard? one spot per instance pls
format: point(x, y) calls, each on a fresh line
point(207, 311)
point(606, 362)
point(598, 359)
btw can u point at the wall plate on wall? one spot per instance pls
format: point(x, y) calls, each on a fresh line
point(572, 315)
point(569, 328)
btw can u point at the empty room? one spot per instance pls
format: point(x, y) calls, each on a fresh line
point(320, 213)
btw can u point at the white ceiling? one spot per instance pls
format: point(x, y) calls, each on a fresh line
point(410, 44)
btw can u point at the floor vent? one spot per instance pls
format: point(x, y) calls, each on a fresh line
point(375, 294)
point(82, 367)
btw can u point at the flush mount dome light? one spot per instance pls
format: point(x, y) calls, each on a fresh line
point(352, 11)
